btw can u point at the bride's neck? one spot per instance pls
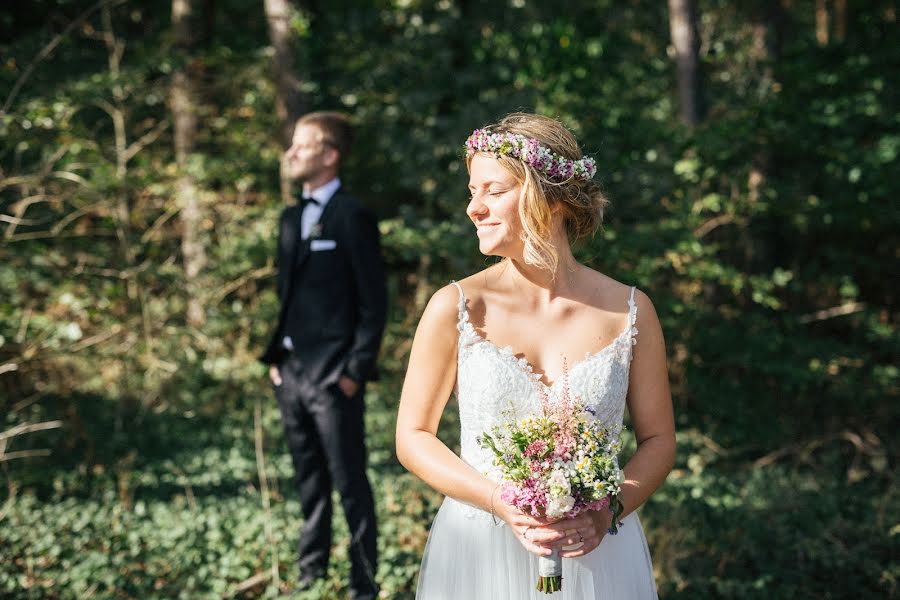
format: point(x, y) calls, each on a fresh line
point(555, 283)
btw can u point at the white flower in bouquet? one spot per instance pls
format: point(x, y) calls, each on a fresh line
point(558, 507)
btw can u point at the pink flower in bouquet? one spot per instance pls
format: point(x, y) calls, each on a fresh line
point(528, 496)
point(535, 449)
point(563, 443)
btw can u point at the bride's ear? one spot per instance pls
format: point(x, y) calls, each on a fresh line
point(557, 211)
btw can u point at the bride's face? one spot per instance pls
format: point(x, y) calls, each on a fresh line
point(494, 207)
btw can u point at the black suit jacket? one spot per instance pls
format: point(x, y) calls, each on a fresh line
point(336, 295)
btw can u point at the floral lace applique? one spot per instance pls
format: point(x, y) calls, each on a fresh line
point(493, 385)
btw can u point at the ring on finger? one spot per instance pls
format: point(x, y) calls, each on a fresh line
point(525, 533)
point(581, 538)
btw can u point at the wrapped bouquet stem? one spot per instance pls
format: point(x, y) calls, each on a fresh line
point(557, 464)
point(550, 573)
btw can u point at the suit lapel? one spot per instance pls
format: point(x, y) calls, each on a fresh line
point(319, 229)
point(330, 209)
point(292, 235)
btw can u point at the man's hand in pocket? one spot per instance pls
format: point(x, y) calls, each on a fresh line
point(275, 375)
point(348, 386)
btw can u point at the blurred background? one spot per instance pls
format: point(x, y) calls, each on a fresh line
point(750, 152)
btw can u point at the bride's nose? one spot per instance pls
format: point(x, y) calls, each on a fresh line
point(475, 206)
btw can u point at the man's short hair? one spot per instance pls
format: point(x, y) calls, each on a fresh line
point(335, 127)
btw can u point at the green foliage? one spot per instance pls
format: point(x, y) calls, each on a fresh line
point(766, 238)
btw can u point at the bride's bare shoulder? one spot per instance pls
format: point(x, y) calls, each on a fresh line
point(445, 304)
point(610, 292)
point(477, 285)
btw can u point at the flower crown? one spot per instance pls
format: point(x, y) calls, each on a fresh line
point(532, 153)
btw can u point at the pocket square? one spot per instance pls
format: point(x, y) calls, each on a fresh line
point(318, 245)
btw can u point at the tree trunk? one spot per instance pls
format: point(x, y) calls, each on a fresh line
point(840, 20)
point(289, 101)
point(686, 41)
point(768, 34)
point(184, 113)
point(822, 22)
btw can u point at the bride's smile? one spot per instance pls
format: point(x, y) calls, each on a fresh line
point(494, 207)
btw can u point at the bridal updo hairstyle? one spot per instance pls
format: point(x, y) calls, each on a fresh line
point(581, 202)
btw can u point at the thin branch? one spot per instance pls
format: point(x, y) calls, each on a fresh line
point(115, 330)
point(871, 445)
point(145, 140)
point(5, 456)
point(18, 221)
point(64, 222)
point(40, 235)
point(247, 584)
point(264, 488)
point(834, 311)
point(54, 158)
point(12, 181)
point(23, 203)
point(49, 48)
point(160, 221)
point(20, 207)
point(24, 428)
point(9, 368)
point(125, 274)
point(713, 223)
point(188, 489)
point(23, 326)
point(25, 402)
point(237, 283)
point(706, 441)
point(73, 177)
point(13, 490)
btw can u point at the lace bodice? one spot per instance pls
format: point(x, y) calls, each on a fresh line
point(493, 384)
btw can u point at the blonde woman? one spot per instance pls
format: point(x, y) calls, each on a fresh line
point(501, 339)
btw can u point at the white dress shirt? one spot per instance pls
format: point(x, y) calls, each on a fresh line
point(313, 212)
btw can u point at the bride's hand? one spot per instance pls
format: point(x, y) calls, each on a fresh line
point(581, 534)
point(532, 532)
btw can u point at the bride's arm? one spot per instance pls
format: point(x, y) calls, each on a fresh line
point(430, 377)
point(650, 407)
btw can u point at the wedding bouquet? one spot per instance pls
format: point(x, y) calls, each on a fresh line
point(557, 464)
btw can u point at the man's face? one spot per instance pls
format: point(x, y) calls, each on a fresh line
point(308, 155)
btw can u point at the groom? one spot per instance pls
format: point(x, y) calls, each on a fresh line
point(331, 287)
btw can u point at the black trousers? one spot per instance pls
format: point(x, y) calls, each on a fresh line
point(326, 437)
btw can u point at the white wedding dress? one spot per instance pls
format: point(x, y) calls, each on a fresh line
point(468, 557)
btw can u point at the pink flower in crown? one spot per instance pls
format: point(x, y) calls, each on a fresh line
point(532, 153)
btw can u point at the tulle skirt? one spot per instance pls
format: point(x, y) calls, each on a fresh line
point(469, 558)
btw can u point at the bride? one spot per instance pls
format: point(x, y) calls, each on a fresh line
point(518, 330)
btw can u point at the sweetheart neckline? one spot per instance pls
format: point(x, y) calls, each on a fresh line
point(523, 363)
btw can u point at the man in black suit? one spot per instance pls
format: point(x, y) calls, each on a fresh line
point(331, 287)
